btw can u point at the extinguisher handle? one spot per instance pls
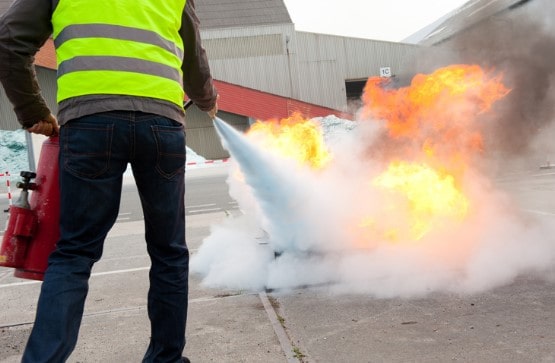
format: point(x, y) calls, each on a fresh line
point(28, 175)
point(26, 184)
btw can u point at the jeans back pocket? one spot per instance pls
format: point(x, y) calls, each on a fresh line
point(87, 148)
point(170, 145)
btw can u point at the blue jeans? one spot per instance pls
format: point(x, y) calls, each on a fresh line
point(94, 153)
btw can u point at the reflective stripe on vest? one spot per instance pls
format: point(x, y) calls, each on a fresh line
point(125, 47)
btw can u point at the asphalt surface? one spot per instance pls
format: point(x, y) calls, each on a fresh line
point(512, 323)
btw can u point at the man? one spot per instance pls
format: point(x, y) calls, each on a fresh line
point(123, 68)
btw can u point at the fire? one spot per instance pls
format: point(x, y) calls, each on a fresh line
point(423, 195)
point(294, 138)
point(434, 126)
point(434, 119)
point(434, 133)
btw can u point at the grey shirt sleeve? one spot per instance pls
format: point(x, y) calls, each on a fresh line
point(24, 28)
point(197, 80)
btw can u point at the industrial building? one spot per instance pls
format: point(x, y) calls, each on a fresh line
point(474, 15)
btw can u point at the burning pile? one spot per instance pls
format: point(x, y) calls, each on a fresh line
point(407, 207)
point(434, 128)
point(436, 133)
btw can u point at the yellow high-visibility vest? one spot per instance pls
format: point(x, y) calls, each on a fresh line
point(119, 47)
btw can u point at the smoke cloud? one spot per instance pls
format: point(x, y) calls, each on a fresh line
point(520, 43)
point(303, 227)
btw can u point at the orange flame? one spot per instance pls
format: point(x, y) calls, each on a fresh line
point(423, 196)
point(436, 121)
point(435, 117)
point(294, 138)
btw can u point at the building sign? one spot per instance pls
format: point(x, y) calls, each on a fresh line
point(385, 72)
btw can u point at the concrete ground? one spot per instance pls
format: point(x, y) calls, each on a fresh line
point(513, 323)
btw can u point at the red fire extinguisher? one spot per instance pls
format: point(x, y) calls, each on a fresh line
point(33, 226)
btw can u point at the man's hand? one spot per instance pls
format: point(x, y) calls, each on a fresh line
point(214, 110)
point(46, 127)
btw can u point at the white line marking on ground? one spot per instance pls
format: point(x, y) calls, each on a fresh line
point(120, 271)
point(13, 284)
point(539, 212)
point(204, 210)
point(543, 174)
point(200, 206)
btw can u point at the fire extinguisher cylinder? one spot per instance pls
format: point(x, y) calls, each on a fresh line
point(45, 204)
point(21, 225)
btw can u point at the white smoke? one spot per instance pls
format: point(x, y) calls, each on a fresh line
point(298, 229)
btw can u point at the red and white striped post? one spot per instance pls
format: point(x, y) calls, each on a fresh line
point(9, 188)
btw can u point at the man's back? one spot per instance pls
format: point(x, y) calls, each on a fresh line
point(123, 69)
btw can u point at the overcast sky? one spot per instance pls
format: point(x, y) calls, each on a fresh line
point(391, 20)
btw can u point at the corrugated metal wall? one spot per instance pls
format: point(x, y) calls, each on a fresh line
point(254, 57)
point(310, 67)
point(325, 62)
point(7, 117)
point(202, 136)
point(47, 81)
